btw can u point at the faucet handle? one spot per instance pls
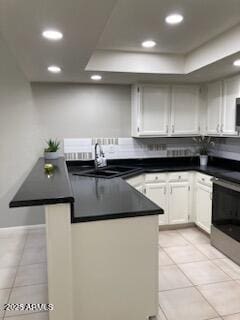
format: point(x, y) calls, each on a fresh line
point(104, 161)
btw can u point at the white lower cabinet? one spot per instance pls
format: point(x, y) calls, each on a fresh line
point(157, 192)
point(203, 206)
point(173, 193)
point(179, 202)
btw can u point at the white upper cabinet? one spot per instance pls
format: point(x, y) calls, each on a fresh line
point(231, 92)
point(185, 110)
point(221, 107)
point(214, 108)
point(157, 109)
point(153, 105)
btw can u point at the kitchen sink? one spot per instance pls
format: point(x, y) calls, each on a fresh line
point(107, 172)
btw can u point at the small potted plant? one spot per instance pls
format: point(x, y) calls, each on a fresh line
point(51, 152)
point(204, 144)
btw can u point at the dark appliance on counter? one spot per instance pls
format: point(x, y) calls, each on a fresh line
point(225, 233)
point(238, 114)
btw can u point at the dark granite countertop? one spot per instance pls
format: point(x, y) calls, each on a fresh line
point(100, 199)
point(97, 198)
point(219, 172)
point(40, 189)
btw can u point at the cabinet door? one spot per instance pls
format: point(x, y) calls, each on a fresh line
point(231, 92)
point(179, 201)
point(203, 207)
point(154, 110)
point(185, 110)
point(157, 192)
point(214, 108)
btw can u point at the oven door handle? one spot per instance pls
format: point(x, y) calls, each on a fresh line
point(227, 184)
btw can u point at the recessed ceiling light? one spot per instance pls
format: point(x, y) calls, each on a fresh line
point(52, 35)
point(148, 44)
point(54, 69)
point(236, 63)
point(174, 18)
point(96, 77)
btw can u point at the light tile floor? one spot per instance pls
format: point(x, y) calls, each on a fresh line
point(23, 272)
point(196, 281)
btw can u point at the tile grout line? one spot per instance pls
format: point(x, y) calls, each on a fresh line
point(212, 260)
point(196, 287)
point(162, 311)
point(225, 271)
point(193, 286)
point(31, 285)
point(219, 268)
point(231, 314)
point(17, 268)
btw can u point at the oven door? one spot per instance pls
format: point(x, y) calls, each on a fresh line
point(226, 208)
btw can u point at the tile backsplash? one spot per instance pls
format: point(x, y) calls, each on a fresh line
point(228, 148)
point(122, 148)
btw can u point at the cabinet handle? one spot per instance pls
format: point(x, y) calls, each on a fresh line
point(167, 128)
point(165, 190)
point(218, 128)
point(171, 190)
point(173, 128)
point(222, 127)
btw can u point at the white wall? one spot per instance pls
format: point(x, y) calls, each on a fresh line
point(79, 111)
point(19, 139)
point(31, 114)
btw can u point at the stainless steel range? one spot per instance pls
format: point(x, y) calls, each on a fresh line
point(225, 233)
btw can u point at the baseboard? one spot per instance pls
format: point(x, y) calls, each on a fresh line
point(23, 228)
point(176, 226)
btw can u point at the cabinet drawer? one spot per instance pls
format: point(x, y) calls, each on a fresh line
point(204, 179)
point(179, 176)
point(136, 181)
point(156, 177)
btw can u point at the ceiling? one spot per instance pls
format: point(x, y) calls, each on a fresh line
point(133, 21)
point(105, 37)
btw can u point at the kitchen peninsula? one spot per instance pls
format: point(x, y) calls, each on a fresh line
point(102, 241)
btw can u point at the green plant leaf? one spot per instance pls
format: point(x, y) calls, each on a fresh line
point(52, 145)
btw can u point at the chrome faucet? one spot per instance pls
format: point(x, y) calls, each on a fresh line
point(100, 160)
